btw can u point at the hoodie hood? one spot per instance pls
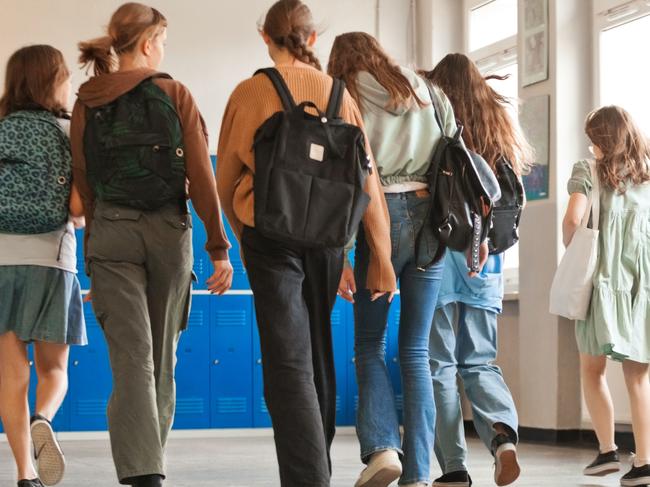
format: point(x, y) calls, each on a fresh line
point(375, 97)
point(106, 88)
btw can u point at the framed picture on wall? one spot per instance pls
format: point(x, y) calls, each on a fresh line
point(535, 122)
point(535, 49)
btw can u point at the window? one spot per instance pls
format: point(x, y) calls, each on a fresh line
point(622, 50)
point(491, 39)
point(491, 22)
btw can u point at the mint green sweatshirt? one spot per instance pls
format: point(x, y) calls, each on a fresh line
point(402, 139)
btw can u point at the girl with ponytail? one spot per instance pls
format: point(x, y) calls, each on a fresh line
point(294, 287)
point(139, 150)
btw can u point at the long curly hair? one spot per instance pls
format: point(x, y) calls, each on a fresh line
point(626, 150)
point(357, 51)
point(489, 130)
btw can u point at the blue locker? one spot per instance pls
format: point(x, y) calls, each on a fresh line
point(261, 417)
point(193, 369)
point(352, 403)
point(392, 352)
point(90, 379)
point(231, 375)
point(339, 342)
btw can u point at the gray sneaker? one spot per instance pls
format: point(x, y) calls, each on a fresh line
point(50, 462)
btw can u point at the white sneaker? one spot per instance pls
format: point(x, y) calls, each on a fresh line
point(49, 457)
point(417, 484)
point(383, 468)
point(506, 462)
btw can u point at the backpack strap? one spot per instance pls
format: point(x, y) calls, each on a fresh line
point(336, 98)
point(280, 86)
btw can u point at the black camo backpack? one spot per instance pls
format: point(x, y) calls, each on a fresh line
point(134, 149)
point(35, 173)
point(310, 172)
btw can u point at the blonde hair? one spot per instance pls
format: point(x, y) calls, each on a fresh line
point(130, 23)
point(626, 150)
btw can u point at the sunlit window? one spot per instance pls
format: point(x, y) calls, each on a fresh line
point(491, 22)
point(624, 69)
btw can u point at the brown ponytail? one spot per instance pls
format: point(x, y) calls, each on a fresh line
point(289, 24)
point(130, 23)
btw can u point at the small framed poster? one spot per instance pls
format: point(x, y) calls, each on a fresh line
point(535, 49)
point(534, 120)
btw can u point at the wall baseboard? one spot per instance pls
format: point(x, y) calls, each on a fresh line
point(571, 437)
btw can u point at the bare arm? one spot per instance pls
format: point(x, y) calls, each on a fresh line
point(573, 216)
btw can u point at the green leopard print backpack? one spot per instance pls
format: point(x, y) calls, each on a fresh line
point(35, 173)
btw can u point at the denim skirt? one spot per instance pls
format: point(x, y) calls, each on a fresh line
point(41, 304)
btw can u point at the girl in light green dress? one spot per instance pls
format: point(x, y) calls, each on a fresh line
point(618, 322)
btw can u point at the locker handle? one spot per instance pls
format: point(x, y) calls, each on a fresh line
point(259, 361)
point(31, 362)
point(216, 361)
point(75, 363)
point(354, 359)
point(394, 359)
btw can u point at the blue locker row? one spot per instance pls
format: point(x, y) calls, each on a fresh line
point(219, 369)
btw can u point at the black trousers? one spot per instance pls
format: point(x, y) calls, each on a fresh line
point(295, 290)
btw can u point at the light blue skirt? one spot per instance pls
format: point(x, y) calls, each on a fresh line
point(41, 304)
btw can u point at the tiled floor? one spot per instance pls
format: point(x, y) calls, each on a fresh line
point(250, 461)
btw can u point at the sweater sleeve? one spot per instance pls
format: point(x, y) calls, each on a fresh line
point(229, 167)
point(580, 181)
point(376, 220)
point(202, 184)
point(79, 175)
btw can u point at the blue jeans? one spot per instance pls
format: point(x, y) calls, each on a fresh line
point(377, 420)
point(469, 351)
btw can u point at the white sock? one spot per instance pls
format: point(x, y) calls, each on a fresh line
point(640, 462)
point(608, 448)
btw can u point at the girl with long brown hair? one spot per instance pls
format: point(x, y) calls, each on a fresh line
point(294, 286)
point(140, 149)
point(399, 114)
point(40, 298)
point(464, 334)
point(618, 321)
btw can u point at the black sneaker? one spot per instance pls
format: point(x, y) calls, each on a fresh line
point(636, 476)
point(145, 481)
point(459, 478)
point(507, 468)
point(30, 483)
point(50, 462)
point(605, 463)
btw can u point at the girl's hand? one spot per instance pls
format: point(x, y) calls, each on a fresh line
point(347, 285)
point(88, 297)
point(483, 254)
point(375, 295)
point(221, 280)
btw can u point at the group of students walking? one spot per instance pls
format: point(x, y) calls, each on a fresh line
point(137, 151)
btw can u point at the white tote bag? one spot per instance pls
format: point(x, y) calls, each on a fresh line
point(573, 282)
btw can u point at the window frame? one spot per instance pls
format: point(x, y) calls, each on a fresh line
point(609, 14)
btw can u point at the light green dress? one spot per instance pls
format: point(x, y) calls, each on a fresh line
point(618, 323)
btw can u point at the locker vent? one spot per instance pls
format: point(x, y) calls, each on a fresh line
point(263, 408)
point(231, 317)
point(336, 317)
point(90, 407)
point(196, 318)
point(232, 405)
point(399, 401)
point(190, 405)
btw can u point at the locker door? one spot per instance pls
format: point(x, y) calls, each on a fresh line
point(202, 266)
point(231, 364)
point(90, 379)
point(193, 369)
point(261, 417)
point(352, 402)
point(84, 280)
point(339, 342)
point(392, 352)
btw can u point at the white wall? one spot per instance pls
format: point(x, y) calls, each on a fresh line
point(212, 44)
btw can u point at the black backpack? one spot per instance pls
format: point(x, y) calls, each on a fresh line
point(463, 190)
point(134, 149)
point(507, 211)
point(310, 172)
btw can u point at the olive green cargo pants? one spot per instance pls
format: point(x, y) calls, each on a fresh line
point(141, 271)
